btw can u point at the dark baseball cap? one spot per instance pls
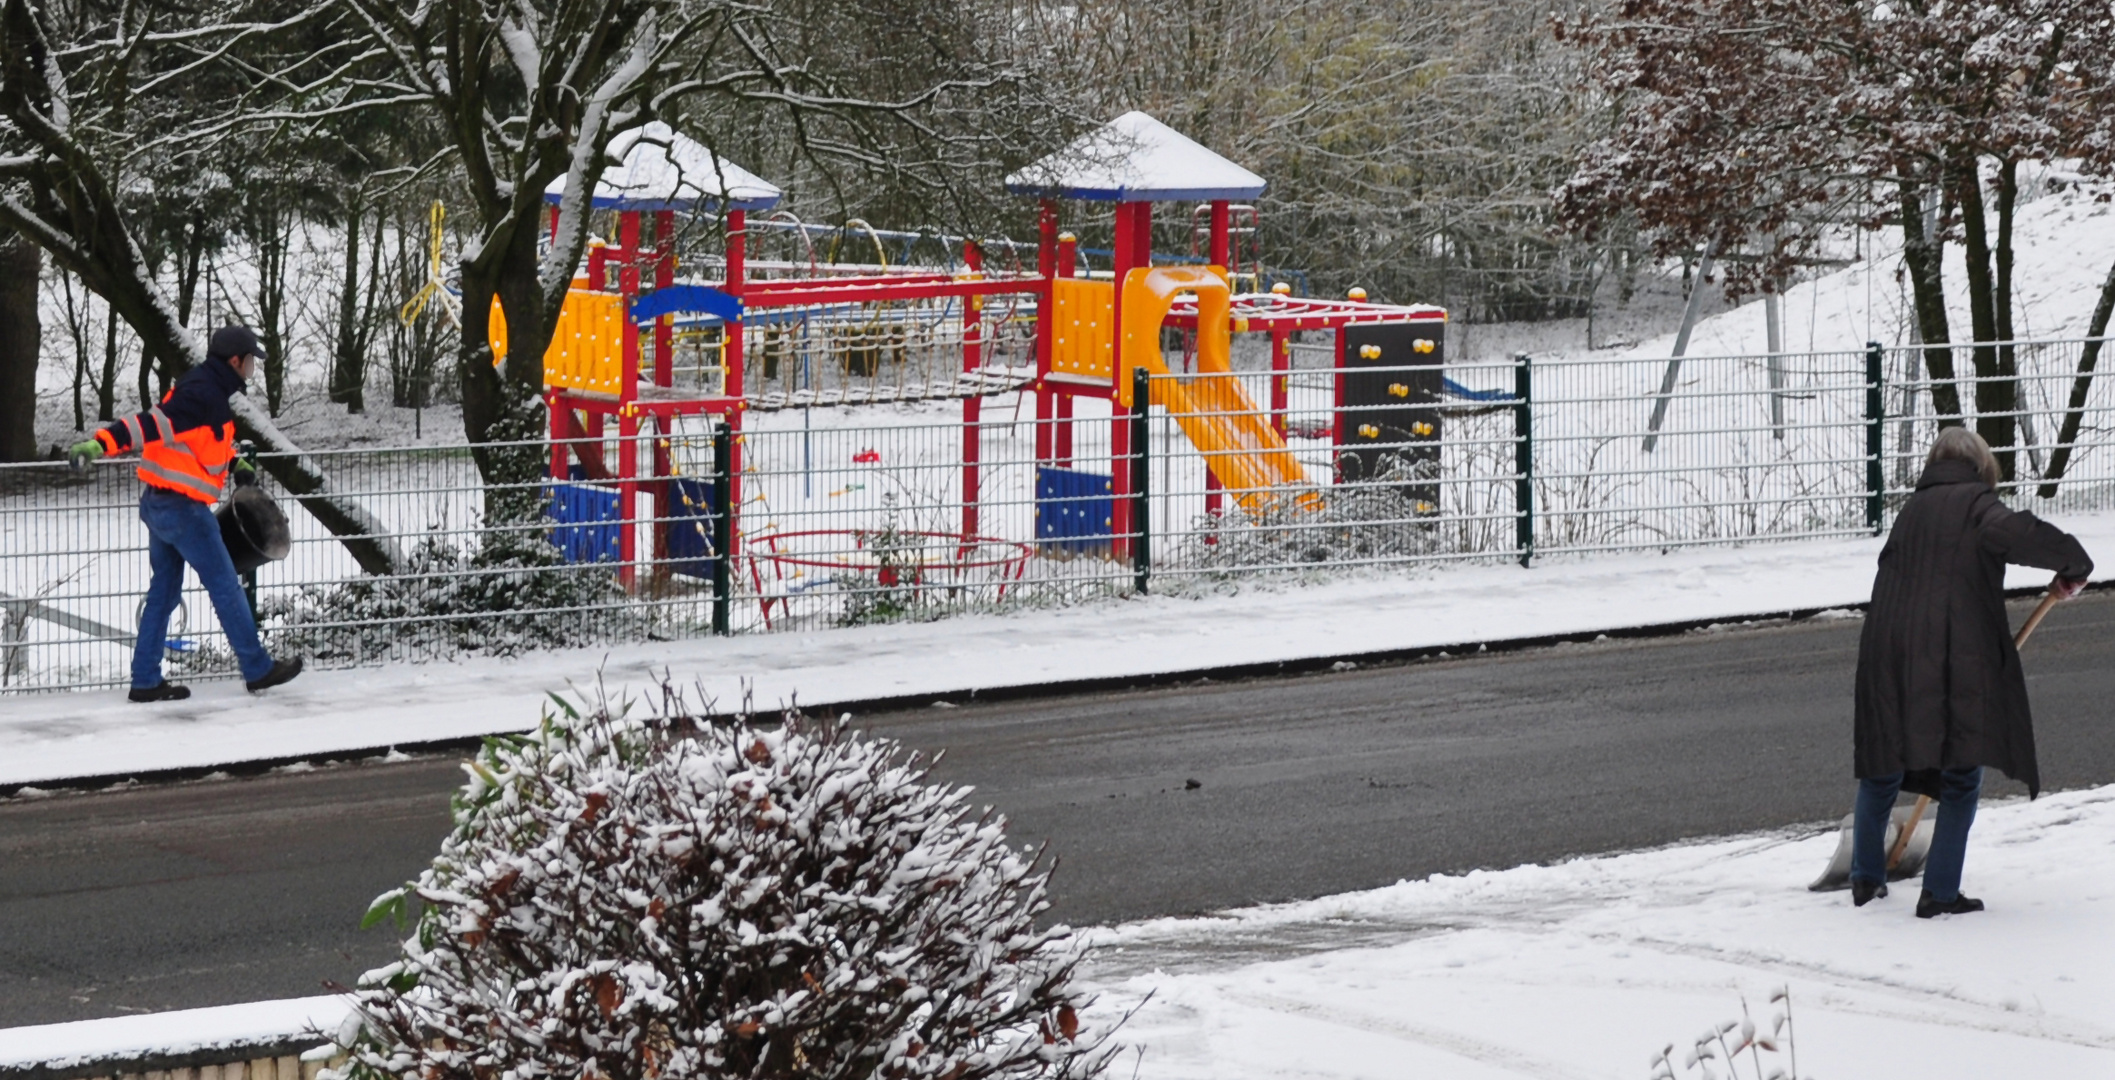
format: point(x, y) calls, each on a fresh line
point(230, 342)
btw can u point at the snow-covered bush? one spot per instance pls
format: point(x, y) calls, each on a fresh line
point(623, 899)
point(1378, 520)
point(499, 599)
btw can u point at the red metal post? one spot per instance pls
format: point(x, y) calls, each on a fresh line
point(1220, 247)
point(972, 405)
point(664, 375)
point(1068, 261)
point(1280, 365)
point(731, 357)
point(1046, 264)
point(1062, 452)
point(627, 422)
point(1133, 249)
point(664, 276)
point(1337, 397)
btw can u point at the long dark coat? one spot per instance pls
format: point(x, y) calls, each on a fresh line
point(1939, 683)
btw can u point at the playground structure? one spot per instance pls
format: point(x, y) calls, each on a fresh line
point(640, 349)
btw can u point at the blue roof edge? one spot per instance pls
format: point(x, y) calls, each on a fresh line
point(669, 204)
point(1045, 191)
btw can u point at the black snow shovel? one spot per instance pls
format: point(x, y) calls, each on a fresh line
point(1909, 830)
point(254, 529)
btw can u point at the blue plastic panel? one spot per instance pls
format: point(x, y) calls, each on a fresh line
point(690, 527)
point(587, 522)
point(1073, 510)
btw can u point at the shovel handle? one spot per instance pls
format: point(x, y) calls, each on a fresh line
point(2019, 640)
point(1916, 815)
point(1909, 829)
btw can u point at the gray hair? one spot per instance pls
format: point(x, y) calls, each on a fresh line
point(1963, 444)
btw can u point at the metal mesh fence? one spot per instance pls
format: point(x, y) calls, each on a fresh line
point(921, 509)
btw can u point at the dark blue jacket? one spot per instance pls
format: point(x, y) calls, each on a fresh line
point(199, 399)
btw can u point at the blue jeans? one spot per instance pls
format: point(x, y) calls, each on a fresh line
point(180, 530)
point(1959, 790)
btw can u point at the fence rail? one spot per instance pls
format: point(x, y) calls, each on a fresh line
point(870, 514)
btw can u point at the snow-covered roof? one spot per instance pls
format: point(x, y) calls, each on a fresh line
point(665, 170)
point(1135, 158)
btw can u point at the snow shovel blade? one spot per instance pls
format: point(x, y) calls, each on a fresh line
point(1838, 874)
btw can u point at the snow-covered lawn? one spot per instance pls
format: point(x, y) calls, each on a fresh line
point(1582, 969)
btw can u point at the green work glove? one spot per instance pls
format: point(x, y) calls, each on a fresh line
point(245, 472)
point(81, 453)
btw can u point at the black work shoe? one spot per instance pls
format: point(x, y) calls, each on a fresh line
point(1959, 905)
point(1864, 892)
point(282, 671)
point(162, 691)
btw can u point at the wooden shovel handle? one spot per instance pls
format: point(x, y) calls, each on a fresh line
point(1909, 829)
point(2019, 641)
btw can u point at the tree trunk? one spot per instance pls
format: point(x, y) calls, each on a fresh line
point(273, 237)
point(1994, 395)
point(1922, 252)
point(348, 376)
point(106, 387)
point(80, 349)
point(2008, 191)
point(2081, 385)
point(504, 403)
point(21, 269)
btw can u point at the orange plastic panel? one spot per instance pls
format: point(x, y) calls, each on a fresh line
point(1081, 317)
point(587, 345)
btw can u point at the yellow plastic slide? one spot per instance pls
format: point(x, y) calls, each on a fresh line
point(1239, 445)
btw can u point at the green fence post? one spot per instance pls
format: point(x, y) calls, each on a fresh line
point(1875, 416)
point(1524, 457)
point(1141, 486)
point(722, 528)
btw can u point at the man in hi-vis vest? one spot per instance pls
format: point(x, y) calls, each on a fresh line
point(187, 445)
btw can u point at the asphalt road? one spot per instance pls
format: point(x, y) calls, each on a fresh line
point(1163, 801)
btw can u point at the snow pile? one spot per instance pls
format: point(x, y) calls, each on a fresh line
point(623, 899)
point(1591, 967)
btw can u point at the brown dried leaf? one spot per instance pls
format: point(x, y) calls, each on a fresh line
point(1068, 1022)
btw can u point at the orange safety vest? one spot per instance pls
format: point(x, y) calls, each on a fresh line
point(193, 462)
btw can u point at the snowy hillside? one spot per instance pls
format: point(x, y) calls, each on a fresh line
point(2065, 241)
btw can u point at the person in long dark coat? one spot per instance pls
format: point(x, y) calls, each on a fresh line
point(1940, 691)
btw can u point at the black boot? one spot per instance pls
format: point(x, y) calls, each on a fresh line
point(1864, 892)
point(1959, 905)
point(282, 671)
point(162, 691)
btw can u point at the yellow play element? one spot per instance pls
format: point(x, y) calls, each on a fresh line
point(587, 346)
point(1081, 313)
point(1239, 445)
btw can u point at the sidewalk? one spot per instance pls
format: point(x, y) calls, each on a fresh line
point(56, 737)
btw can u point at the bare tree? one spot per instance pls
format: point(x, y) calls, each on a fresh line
point(93, 98)
point(21, 339)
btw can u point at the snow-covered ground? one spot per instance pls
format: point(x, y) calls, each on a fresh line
point(1582, 969)
point(52, 737)
point(1589, 967)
